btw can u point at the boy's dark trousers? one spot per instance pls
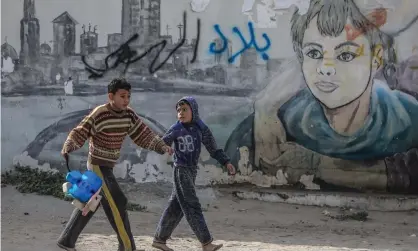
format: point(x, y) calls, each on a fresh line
point(183, 202)
point(114, 204)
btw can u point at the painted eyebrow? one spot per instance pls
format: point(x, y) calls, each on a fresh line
point(312, 44)
point(348, 43)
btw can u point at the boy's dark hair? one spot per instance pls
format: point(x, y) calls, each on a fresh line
point(182, 102)
point(118, 84)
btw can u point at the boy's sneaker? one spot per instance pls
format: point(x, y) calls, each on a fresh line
point(161, 246)
point(66, 248)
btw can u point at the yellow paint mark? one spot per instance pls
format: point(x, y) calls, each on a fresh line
point(360, 50)
point(328, 61)
point(378, 55)
point(414, 48)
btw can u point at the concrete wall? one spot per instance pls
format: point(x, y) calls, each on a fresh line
point(314, 115)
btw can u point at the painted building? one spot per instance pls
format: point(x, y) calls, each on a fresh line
point(114, 41)
point(29, 34)
point(46, 49)
point(141, 17)
point(9, 58)
point(88, 40)
point(64, 35)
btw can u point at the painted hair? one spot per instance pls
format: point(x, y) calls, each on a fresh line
point(332, 19)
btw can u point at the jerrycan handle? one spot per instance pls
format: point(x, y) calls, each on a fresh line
point(66, 156)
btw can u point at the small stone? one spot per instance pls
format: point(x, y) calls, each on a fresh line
point(413, 235)
point(26, 213)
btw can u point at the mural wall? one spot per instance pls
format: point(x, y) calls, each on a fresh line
point(310, 94)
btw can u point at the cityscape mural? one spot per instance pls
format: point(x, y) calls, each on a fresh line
point(295, 95)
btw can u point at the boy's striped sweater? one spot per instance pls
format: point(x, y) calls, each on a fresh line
point(106, 129)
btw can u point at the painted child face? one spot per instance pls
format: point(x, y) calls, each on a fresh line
point(337, 70)
point(120, 100)
point(184, 113)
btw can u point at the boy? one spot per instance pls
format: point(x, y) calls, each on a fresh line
point(188, 134)
point(106, 127)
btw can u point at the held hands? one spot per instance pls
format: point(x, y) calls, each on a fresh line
point(231, 169)
point(168, 150)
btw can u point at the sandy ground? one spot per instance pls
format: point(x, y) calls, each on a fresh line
point(30, 222)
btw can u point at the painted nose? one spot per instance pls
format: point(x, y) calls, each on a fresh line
point(326, 70)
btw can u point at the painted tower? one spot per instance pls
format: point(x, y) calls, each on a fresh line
point(29, 35)
point(64, 35)
point(141, 17)
point(88, 40)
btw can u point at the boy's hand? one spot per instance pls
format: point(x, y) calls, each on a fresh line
point(168, 150)
point(231, 169)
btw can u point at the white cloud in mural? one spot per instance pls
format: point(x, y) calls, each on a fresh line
point(375, 4)
point(286, 5)
point(266, 16)
point(260, 12)
point(199, 5)
point(247, 5)
point(263, 13)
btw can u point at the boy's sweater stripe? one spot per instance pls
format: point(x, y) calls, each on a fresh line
point(106, 131)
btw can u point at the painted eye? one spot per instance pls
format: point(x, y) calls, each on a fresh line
point(346, 56)
point(314, 54)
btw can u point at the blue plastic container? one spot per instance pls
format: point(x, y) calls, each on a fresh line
point(84, 186)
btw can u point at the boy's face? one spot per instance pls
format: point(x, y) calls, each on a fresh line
point(337, 70)
point(120, 100)
point(184, 113)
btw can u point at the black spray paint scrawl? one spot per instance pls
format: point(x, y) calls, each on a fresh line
point(126, 55)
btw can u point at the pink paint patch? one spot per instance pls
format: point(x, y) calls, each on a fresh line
point(377, 19)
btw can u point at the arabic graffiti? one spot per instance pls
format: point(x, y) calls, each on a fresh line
point(126, 55)
point(246, 45)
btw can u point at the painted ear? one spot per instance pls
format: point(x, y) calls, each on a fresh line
point(377, 56)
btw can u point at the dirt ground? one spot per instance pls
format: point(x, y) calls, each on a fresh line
point(32, 223)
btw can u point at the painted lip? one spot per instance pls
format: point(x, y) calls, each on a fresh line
point(326, 87)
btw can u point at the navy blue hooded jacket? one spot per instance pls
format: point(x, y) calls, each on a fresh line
point(189, 137)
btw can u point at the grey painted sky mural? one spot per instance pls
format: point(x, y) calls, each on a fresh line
point(106, 14)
